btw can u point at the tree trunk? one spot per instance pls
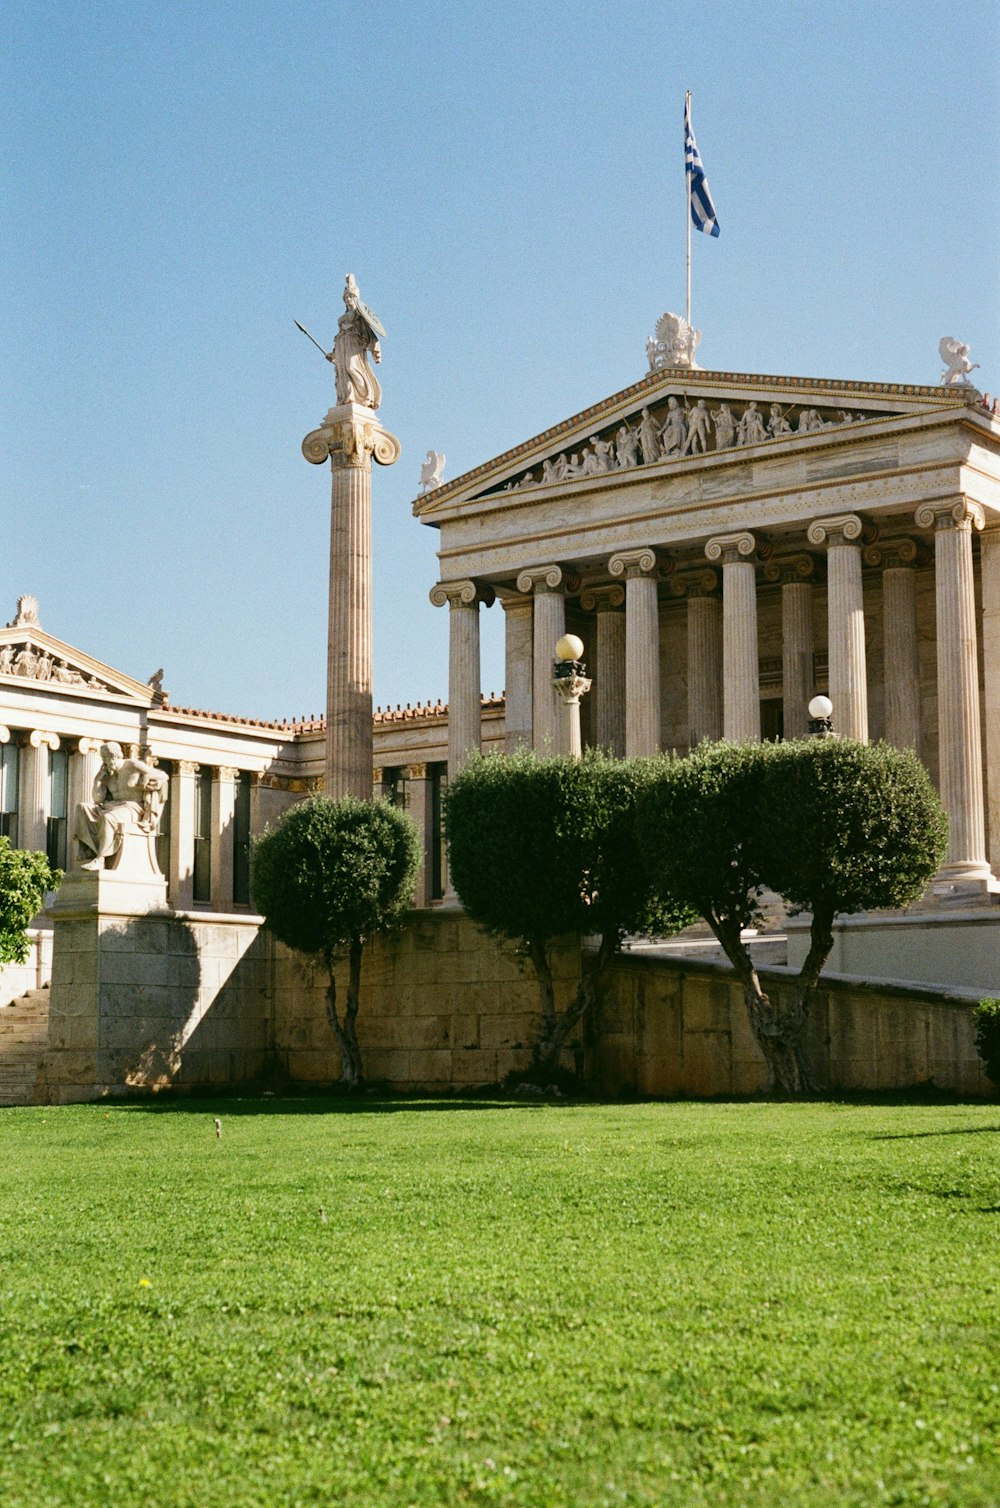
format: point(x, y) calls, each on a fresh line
point(777, 1030)
point(556, 1028)
point(546, 1048)
point(346, 1038)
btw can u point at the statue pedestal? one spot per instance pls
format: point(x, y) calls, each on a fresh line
point(109, 892)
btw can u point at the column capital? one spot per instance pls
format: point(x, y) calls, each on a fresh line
point(632, 563)
point(187, 767)
point(547, 578)
point(349, 436)
point(700, 582)
point(841, 529)
point(897, 553)
point(39, 739)
point(950, 513)
point(791, 570)
point(732, 548)
point(84, 745)
point(416, 772)
point(468, 594)
point(226, 772)
point(602, 599)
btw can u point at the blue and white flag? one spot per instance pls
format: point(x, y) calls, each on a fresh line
point(703, 214)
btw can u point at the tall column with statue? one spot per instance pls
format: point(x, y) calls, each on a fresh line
point(349, 437)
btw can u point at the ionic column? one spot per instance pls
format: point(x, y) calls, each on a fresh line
point(545, 583)
point(465, 701)
point(704, 652)
point(606, 603)
point(798, 686)
point(223, 817)
point(846, 622)
point(642, 650)
point(421, 809)
point(740, 654)
point(182, 787)
point(349, 436)
point(33, 797)
point(84, 763)
point(518, 664)
point(959, 743)
point(989, 564)
point(901, 648)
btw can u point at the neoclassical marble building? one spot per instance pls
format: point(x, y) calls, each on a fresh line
point(727, 545)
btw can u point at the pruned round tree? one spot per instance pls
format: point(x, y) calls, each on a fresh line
point(330, 876)
point(542, 848)
point(24, 878)
point(831, 825)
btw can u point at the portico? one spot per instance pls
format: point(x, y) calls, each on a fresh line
point(852, 550)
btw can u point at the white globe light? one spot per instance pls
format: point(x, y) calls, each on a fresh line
point(569, 647)
point(820, 706)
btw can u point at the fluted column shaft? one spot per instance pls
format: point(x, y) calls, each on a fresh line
point(84, 763)
point(959, 742)
point(846, 623)
point(609, 682)
point(182, 825)
point(421, 810)
point(518, 677)
point(549, 619)
point(740, 654)
point(465, 702)
point(704, 652)
point(642, 651)
point(797, 646)
point(989, 559)
point(349, 436)
point(223, 817)
point(34, 793)
point(901, 657)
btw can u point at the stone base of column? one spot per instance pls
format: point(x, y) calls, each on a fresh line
point(962, 887)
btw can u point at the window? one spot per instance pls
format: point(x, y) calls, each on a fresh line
point(772, 720)
point(56, 824)
point(396, 787)
point(241, 841)
point(438, 774)
point(9, 772)
point(203, 835)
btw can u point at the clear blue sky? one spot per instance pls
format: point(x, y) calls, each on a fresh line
point(180, 181)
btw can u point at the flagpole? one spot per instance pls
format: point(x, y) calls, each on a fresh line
point(687, 196)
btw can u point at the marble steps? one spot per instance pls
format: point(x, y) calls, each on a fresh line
point(24, 1032)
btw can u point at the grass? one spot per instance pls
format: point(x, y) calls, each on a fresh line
point(434, 1304)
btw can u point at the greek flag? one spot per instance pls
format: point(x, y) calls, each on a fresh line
point(703, 214)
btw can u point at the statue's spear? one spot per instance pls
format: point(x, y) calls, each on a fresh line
point(311, 337)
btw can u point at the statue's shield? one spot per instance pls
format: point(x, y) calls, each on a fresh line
point(371, 320)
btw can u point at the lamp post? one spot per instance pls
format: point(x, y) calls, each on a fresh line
point(821, 717)
point(569, 681)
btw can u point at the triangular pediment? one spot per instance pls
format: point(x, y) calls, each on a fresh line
point(32, 659)
point(679, 415)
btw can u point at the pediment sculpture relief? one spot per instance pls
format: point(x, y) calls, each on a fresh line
point(683, 427)
point(33, 664)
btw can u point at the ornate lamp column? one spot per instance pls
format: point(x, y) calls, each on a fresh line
point(846, 621)
point(464, 691)
point(704, 652)
point(966, 871)
point(570, 683)
point(348, 437)
point(642, 650)
point(740, 655)
point(546, 585)
point(609, 712)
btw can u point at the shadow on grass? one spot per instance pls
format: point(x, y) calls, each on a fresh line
point(225, 1103)
point(916, 1135)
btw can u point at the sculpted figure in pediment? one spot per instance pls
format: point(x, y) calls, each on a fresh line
point(7, 659)
point(649, 438)
point(26, 662)
point(604, 450)
point(750, 430)
point(554, 468)
point(777, 423)
point(128, 798)
point(628, 447)
point(725, 426)
point(674, 430)
point(43, 670)
point(697, 429)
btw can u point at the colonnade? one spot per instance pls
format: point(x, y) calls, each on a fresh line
point(723, 667)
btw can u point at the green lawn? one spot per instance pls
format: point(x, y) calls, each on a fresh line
point(429, 1303)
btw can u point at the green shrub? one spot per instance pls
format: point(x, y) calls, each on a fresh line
point(24, 878)
point(986, 1017)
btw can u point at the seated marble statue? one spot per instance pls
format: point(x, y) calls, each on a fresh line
point(129, 796)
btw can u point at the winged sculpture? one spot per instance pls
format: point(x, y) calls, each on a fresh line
point(955, 355)
point(432, 471)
